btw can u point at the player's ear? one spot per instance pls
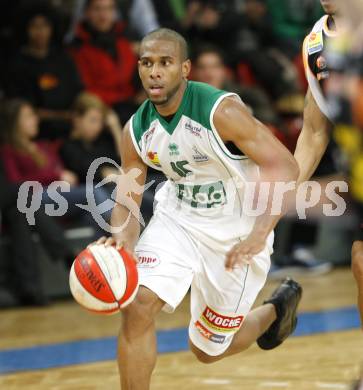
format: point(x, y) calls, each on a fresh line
point(186, 67)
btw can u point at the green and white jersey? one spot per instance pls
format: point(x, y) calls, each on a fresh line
point(206, 183)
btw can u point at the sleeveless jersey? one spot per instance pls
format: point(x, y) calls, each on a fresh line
point(206, 183)
point(315, 64)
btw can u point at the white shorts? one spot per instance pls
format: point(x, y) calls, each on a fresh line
point(171, 261)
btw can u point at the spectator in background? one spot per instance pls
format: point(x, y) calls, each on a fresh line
point(89, 139)
point(21, 274)
point(97, 133)
point(140, 16)
point(105, 58)
point(170, 13)
point(209, 67)
point(211, 21)
point(42, 73)
point(292, 20)
point(255, 45)
point(25, 159)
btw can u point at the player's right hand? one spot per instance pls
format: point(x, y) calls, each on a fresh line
point(118, 243)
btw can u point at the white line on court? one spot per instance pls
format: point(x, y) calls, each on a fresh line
point(323, 385)
point(274, 384)
point(216, 381)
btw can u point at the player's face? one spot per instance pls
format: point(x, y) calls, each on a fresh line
point(101, 14)
point(161, 70)
point(329, 6)
point(210, 69)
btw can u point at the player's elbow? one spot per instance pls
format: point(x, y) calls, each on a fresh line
point(289, 169)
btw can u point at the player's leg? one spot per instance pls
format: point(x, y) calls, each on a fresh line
point(269, 324)
point(165, 273)
point(137, 341)
point(255, 324)
point(357, 268)
point(222, 323)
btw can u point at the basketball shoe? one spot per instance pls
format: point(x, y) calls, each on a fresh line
point(285, 299)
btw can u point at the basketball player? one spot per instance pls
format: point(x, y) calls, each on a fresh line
point(183, 130)
point(318, 116)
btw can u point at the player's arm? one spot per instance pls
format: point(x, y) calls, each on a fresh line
point(128, 236)
point(234, 123)
point(313, 139)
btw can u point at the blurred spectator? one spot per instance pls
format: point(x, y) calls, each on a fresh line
point(43, 73)
point(26, 159)
point(209, 67)
point(170, 13)
point(255, 45)
point(140, 16)
point(211, 21)
point(89, 138)
point(21, 270)
point(292, 20)
point(105, 57)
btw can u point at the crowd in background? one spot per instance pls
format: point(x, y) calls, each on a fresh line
point(69, 82)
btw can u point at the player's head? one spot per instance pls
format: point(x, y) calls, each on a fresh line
point(330, 6)
point(163, 64)
point(208, 67)
point(101, 14)
point(89, 114)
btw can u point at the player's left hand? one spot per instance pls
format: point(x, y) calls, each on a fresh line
point(243, 252)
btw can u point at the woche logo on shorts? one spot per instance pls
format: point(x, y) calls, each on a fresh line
point(220, 322)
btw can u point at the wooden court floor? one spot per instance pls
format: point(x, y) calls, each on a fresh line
point(329, 360)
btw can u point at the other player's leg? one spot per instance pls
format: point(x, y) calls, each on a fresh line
point(357, 268)
point(137, 341)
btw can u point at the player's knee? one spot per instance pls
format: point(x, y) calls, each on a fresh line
point(140, 314)
point(202, 356)
point(357, 259)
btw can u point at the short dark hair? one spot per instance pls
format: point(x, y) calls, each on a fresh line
point(167, 34)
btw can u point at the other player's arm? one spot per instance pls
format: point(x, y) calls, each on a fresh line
point(313, 139)
point(128, 237)
point(234, 123)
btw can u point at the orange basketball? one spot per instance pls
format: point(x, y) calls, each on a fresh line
point(103, 279)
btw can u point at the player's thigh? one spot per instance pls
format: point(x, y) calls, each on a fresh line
point(221, 300)
point(167, 259)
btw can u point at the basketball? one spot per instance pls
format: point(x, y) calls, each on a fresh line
point(103, 280)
